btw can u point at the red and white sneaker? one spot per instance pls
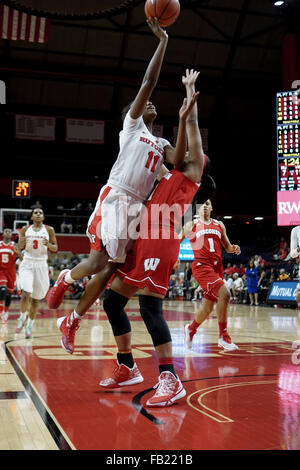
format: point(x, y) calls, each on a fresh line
point(56, 294)
point(168, 390)
point(68, 326)
point(188, 336)
point(123, 376)
point(226, 343)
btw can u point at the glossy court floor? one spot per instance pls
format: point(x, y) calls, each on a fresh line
point(246, 399)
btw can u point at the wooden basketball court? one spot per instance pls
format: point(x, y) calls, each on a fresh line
point(246, 399)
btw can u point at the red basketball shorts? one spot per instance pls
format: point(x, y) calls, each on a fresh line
point(209, 277)
point(150, 263)
point(8, 279)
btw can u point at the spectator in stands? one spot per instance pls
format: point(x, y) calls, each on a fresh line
point(36, 205)
point(56, 262)
point(229, 283)
point(66, 223)
point(241, 270)
point(64, 262)
point(74, 261)
point(263, 285)
point(77, 208)
point(244, 295)
point(237, 288)
point(172, 286)
point(229, 269)
point(187, 278)
point(283, 275)
point(193, 286)
point(235, 269)
point(89, 207)
point(252, 280)
point(198, 293)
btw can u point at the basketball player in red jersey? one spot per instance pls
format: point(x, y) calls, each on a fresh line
point(150, 262)
point(178, 186)
point(207, 237)
point(130, 182)
point(8, 252)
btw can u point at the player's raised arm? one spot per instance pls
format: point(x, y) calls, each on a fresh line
point(181, 142)
point(192, 128)
point(152, 72)
point(228, 247)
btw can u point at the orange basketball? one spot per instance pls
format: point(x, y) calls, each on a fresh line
point(166, 11)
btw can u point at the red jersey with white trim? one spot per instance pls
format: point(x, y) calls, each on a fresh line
point(7, 256)
point(206, 241)
point(169, 201)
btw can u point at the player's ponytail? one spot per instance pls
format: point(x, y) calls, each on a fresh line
point(206, 190)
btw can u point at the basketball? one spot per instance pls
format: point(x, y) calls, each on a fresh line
point(166, 11)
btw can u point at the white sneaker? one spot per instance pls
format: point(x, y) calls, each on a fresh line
point(4, 317)
point(168, 390)
point(226, 343)
point(188, 336)
point(21, 324)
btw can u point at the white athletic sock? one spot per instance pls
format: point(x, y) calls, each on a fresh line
point(23, 315)
point(68, 278)
point(30, 322)
point(76, 315)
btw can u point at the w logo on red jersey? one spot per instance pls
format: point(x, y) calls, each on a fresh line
point(151, 264)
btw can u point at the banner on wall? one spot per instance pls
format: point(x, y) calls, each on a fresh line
point(35, 127)
point(186, 253)
point(85, 131)
point(282, 292)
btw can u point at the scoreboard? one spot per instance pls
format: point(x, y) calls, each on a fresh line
point(288, 158)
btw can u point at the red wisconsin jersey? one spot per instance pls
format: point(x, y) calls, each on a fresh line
point(7, 256)
point(206, 241)
point(169, 201)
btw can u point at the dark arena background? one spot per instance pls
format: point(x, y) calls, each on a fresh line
point(67, 70)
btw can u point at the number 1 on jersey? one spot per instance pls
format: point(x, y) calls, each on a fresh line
point(155, 160)
point(211, 245)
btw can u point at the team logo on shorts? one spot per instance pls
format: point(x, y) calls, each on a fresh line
point(151, 264)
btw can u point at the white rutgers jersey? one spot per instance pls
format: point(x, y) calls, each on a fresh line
point(35, 250)
point(140, 158)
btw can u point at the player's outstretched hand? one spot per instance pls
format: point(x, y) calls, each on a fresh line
point(190, 77)
point(157, 30)
point(236, 249)
point(187, 106)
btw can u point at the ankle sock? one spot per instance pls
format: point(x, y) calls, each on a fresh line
point(68, 278)
point(194, 325)
point(166, 364)
point(222, 327)
point(126, 359)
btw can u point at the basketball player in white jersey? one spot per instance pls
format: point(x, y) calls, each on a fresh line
point(295, 253)
point(129, 184)
point(35, 240)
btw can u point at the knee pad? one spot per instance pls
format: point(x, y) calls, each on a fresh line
point(8, 299)
point(3, 291)
point(113, 305)
point(151, 313)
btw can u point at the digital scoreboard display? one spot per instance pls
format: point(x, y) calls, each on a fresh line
point(21, 189)
point(288, 158)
